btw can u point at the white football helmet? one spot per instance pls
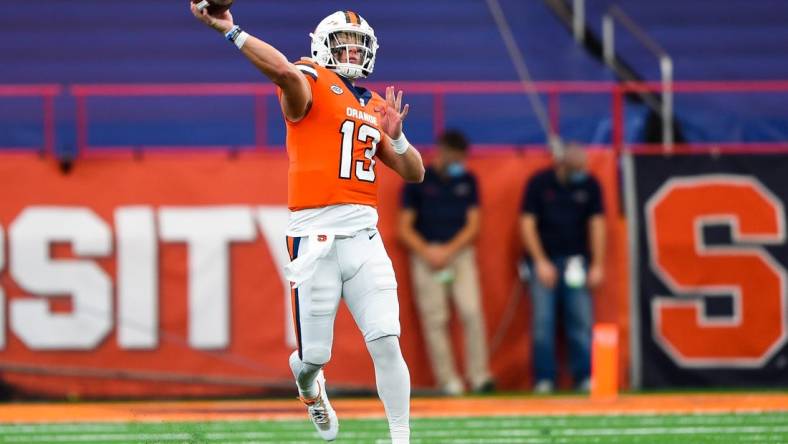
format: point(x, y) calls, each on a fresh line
point(335, 37)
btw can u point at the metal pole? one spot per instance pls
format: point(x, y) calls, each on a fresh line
point(518, 59)
point(579, 20)
point(618, 118)
point(666, 67)
point(608, 39)
point(632, 213)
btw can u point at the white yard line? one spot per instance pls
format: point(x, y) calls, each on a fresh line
point(529, 430)
point(421, 434)
point(99, 437)
point(465, 423)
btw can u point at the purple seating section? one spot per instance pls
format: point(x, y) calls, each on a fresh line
point(154, 41)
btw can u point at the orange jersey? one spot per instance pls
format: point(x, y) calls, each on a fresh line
point(332, 149)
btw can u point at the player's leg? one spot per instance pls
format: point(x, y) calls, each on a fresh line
point(432, 304)
point(543, 302)
point(393, 383)
point(467, 298)
point(370, 291)
point(315, 305)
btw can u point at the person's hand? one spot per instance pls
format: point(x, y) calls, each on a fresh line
point(392, 114)
point(437, 256)
point(546, 273)
point(221, 22)
point(596, 274)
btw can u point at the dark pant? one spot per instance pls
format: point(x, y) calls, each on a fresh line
point(577, 314)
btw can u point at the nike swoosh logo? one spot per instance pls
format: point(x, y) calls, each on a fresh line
point(373, 235)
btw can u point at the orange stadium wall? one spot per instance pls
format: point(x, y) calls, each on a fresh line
point(176, 260)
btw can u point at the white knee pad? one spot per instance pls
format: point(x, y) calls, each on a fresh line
point(384, 349)
point(316, 354)
point(383, 314)
point(371, 293)
point(382, 272)
point(383, 318)
point(323, 298)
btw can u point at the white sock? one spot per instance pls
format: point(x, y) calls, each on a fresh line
point(305, 375)
point(393, 381)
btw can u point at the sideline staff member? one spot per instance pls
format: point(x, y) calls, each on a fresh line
point(438, 223)
point(563, 229)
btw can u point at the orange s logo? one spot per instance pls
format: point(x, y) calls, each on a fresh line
point(676, 215)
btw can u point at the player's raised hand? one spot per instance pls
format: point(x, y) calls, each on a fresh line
point(221, 22)
point(393, 113)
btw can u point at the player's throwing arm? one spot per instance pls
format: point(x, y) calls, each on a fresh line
point(296, 94)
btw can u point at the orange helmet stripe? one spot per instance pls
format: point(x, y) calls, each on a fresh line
point(352, 17)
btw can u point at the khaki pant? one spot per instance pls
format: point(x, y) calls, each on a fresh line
point(432, 301)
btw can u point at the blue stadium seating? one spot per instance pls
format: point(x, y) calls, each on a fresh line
point(154, 41)
point(98, 41)
point(707, 39)
point(714, 40)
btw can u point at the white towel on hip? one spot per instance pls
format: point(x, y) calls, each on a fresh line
point(303, 267)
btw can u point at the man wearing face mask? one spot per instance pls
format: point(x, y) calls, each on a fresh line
point(563, 229)
point(438, 223)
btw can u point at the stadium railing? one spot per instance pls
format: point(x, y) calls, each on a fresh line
point(48, 93)
point(438, 91)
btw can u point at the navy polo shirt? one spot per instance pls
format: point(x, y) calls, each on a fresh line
point(441, 204)
point(562, 211)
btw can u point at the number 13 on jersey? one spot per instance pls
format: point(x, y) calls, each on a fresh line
point(366, 134)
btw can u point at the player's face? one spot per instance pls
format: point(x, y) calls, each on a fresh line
point(347, 47)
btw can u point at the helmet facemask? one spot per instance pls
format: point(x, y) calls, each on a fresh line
point(341, 37)
point(352, 53)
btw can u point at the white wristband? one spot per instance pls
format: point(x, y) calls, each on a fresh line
point(241, 39)
point(237, 35)
point(401, 144)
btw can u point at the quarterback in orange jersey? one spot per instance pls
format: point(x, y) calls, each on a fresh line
point(336, 133)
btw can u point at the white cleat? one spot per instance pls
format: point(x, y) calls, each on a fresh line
point(323, 416)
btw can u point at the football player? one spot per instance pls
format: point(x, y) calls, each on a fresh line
point(336, 132)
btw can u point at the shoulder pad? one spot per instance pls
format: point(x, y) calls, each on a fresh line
point(307, 67)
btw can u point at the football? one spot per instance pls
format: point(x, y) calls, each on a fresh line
point(215, 6)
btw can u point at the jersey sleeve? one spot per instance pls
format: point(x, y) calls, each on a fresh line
point(309, 70)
